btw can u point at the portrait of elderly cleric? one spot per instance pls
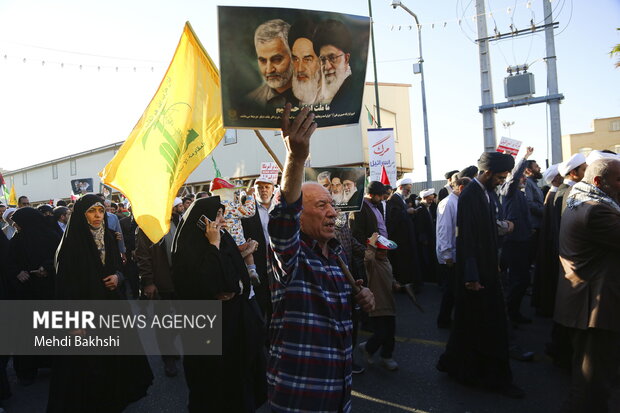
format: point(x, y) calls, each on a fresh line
point(273, 56)
point(346, 185)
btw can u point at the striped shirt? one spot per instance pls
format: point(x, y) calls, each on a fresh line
point(309, 366)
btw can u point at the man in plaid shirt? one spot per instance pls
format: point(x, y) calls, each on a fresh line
point(310, 356)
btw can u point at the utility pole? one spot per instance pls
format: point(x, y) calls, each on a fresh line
point(488, 114)
point(374, 64)
point(552, 84)
point(420, 67)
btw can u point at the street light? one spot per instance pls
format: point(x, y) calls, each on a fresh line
point(429, 179)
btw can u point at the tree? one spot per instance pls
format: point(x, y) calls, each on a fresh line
point(616, 51)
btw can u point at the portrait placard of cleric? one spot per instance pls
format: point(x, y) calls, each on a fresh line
point(271, 56)
point(346, 185)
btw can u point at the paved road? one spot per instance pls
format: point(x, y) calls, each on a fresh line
point(416, 387)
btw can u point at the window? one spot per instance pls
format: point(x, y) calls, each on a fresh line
point(25, 178)
point(54, 171)
point(614, 125)
point(230, 137)
point(73, 167)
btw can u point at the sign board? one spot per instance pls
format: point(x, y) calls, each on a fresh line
point(303, 57)
point(510, 146)
point(82, 186)
point(269, 171)
point(346, 185)
point(382, 153)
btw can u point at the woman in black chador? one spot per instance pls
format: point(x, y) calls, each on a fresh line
point(30, 267)
point(87, 267)
point(207, 265)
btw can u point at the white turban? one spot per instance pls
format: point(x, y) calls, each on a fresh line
point(576, 160)
point(550, 173)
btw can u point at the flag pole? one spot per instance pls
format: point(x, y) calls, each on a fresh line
point(266, 145)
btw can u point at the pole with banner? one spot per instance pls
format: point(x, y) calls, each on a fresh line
point(382, 154)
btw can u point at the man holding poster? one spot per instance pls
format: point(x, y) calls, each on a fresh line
point(310, 357)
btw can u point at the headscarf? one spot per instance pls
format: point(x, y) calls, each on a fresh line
point(35, 239)
point(78, 259)
point(496, 162)
point(190, 246)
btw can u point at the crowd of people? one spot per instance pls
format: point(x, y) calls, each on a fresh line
point(297, 278)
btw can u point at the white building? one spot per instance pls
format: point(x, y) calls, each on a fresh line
point(240, 153)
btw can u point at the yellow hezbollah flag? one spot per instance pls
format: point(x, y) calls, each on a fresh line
point(179, 128)
point(13, 197)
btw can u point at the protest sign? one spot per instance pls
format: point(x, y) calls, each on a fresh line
point(269, 171)
point(510, 146)
point(381, 152)
point(271, 56)
point(346, 185)
point(82, 186)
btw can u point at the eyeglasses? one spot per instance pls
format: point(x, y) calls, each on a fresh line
point(331, 57)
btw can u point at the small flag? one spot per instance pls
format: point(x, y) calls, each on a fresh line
point(178, 129)
point(371, 119)
point(384, 176)
point(13, 197)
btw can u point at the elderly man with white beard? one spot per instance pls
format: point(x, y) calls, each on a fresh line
point(306, 66)
point(274, 64)
point(332, 43)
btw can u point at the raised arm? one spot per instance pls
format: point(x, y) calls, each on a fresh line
point(296, 137)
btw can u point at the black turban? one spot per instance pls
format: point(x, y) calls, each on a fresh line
point(496, 162)
point(331, 32)
point(469, 172)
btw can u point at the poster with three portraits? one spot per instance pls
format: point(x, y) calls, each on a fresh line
point(273, 56)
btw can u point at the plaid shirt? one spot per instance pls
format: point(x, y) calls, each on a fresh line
point(309, 365)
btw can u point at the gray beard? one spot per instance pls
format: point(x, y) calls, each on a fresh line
point(307, 91)
point(282, 80)
point(330, 88)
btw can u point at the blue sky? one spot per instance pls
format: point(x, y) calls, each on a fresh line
point(49, 111)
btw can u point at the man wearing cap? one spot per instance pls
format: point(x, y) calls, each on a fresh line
point(572, 171)
point(446, 249)
point(310, 359)
point(425, 230)
point(256, 228)
point(588, 297)
point(447, 188)
point(400, 226)
point(477, 352)
point(177, 210)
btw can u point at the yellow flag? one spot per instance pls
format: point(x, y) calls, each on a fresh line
point(13, 197)
point(179, 128)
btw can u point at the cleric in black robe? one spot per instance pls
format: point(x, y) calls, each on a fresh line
point(31, 274)
point(87, 267)
point(236, 380)
point(477, 351)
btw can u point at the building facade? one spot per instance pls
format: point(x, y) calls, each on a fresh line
point(605, 134)
point(240, 153)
